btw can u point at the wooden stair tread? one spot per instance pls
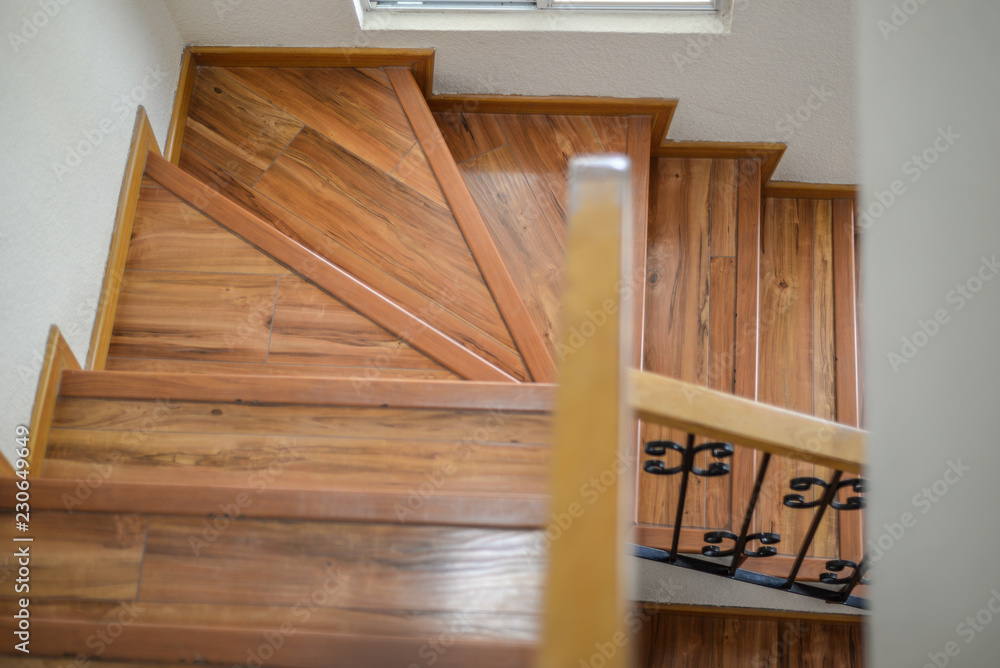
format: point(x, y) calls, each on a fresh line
point(305, 635)
point(356, 186)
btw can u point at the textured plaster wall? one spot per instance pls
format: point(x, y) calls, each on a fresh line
point(782, 57)
point(71, 73)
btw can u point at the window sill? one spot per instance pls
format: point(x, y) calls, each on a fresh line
point(547, 20)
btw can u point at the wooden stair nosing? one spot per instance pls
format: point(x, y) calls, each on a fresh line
point(191, 642)
point(660, 111)
point(324, 274)
point(245, 388)
point(529, 340)
point(511, 511)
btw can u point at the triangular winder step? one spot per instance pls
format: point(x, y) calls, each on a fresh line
point(197, 298)
point(328, 156)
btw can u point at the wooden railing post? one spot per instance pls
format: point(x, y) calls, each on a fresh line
point(587, 583)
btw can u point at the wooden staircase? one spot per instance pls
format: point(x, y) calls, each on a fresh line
point(315, 423)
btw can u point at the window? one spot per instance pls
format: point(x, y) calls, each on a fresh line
point(503, 5)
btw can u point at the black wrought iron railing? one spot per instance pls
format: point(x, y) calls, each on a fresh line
point(832, 585)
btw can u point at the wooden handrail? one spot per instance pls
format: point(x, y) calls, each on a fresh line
point(587, 589)
point(706, 412)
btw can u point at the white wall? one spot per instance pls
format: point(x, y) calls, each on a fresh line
point(732, 87)
point(935, 409)
point(78, 75)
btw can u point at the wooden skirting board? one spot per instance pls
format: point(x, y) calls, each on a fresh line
point(58, 358)
point(143, 144)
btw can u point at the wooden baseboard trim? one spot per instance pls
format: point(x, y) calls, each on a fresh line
point(509, 511)
point(419, 61)
point(58, 358)
point(324, 274)
point(182, 103)
point(143, 145)
point(660, 111)
point(851, 616)
point(526, 335)
point(800, 190)
point(394, 393)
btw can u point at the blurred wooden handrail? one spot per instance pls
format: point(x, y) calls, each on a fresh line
point(699, 410)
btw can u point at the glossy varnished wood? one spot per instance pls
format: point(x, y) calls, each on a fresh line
point(182, 102)
point(170, 235)
point(392, 227)
point(747, 334)
point(343, 255)
point(659, 111)
point(232, 126)
point(345, 105)
point(528, 338)
point(143, 144)
point(208, 417)
point(469, 135)
point(677, 313)
point(58, 358)
point(420, 61)
point(845, 316)
point(687, 636)
point(532, 252)
point(93, 555)
point(818, 191)
point(536, 397)
point(543, 145)
point(310, 327)
point(372, 566)
point(725, 202)
point(397, 465)
point(325, 638)
point(188, 315)
point(376, 370)
point(325, 274)
point(768, 154)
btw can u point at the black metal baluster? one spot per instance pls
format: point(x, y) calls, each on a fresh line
point(741, 542)
point(686, 463)
point(828, 495)
point(856, 579)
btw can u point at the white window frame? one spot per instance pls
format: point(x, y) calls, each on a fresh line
point(530, 5)
point(676, 17)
